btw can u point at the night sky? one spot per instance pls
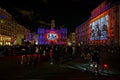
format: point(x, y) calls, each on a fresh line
point(33, 13)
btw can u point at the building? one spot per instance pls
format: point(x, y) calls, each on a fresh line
point(71, 39)
point(10, 31)
point(81, 34)
point(103, 26)
point(33, 38)
point(52, 35)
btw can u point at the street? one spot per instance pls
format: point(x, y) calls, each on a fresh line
point(44, 71)
point(13, 70)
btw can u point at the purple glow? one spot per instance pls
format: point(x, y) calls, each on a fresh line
point(45, 36)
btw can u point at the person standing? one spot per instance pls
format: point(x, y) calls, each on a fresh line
point(23, 52)
point(95, 59)
point(51, 56)
point(40, 53)
point(56, 55)
point(36, 54)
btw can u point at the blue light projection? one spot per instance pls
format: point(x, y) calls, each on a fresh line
point(46, 37)
point(41, 36)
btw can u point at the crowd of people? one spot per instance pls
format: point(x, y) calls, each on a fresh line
point(35, 54)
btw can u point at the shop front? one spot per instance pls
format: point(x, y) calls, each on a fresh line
point(5, 40)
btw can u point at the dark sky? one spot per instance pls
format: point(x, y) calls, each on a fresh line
point(69, 13)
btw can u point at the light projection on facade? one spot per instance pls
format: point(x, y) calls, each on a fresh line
point(52, 36)
point(99, 29)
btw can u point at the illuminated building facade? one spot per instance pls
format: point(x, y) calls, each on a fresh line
point(10, 31)
point(81, 34)
point(103, 26)
point(71, 39)
point(33, 38)
point(52, 36)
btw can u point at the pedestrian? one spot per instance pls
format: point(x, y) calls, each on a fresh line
point(95, 59)
point(32, 52)
point(88, 57)
point(40, 52)
point(23, 52)
point(29, 54)
point(51, 56)
point(36, 55)
point(56, 55)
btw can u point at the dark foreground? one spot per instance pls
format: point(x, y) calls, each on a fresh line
point(13, 70)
